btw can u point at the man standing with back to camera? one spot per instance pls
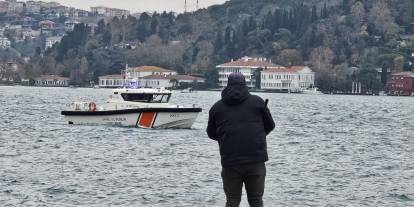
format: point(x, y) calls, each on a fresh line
point(240, 122)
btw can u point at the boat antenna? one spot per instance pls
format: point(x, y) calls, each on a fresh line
point(185, 6)
point(197, 5)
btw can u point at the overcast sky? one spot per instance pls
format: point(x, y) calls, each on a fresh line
point(140, 5)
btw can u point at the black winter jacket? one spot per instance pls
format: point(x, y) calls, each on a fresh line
point(240, 122)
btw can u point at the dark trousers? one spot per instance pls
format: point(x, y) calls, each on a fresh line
point(252, 175)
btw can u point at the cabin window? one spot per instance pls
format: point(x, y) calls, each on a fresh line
point(137, 97)
point(146, 98)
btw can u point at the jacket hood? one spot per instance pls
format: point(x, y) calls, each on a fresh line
point(235, 94)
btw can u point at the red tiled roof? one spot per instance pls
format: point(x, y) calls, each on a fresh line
point(249, 62)
point(170, 77)
point(150, 69)
point(46, 22)
point(51, 77)
point(292, 69)
point(406, 74)
point(112, 76)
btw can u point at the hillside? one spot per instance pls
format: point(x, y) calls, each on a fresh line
point(342, 40)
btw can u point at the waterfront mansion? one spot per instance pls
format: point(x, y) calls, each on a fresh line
point(292, 79)
point(148, 77)
point(263, 74)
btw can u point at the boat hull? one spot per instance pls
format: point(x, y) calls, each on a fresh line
point(164, 118)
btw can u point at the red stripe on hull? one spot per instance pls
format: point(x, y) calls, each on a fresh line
point(146, 119)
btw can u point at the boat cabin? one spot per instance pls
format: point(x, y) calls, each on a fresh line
point(143, 95)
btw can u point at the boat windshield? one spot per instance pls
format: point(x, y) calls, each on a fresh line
point(146, 98)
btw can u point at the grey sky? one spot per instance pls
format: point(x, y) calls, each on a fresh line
point(140, 5)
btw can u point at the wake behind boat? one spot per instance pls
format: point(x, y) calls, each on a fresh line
point(143, 107)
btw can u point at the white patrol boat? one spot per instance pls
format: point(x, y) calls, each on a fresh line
point(143, 107)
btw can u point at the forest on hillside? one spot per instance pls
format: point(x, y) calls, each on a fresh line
point(341, 40)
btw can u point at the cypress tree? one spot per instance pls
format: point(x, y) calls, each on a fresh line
point(218, 43)
point(324, 11)
point(314, 17)
point(345, 6)
point(252, 23)
point(143, 27)
point(154, 24)
point(107, 36)
point(277, 18)
point(245, 28)
point(268, 22)
point(292, 21)
point(227, 36)
point(101, 26)
point(285, 21)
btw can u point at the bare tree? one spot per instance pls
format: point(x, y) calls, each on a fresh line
point(290, 57)
point(358, 13)
point(321, 58)
point(383, 21)
point(399, 63)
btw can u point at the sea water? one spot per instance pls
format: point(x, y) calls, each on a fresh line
point(326, 150)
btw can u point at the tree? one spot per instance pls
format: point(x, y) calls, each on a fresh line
point(324, 11)
point(258, 77)
point(73, 40)
point(399, 64)
point(101, 27)
point(346, 6)
point(381, 19)
point(314, 16)
point(290, 57)
point(368, 78)
point(143, 27)
point(227, 36)
point(154, 24)
point(358, 13)
point(218, 43)
point(332, 35)
point(321, 58)
point(211, 75)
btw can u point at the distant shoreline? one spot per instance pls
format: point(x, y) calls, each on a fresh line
point(214, 90)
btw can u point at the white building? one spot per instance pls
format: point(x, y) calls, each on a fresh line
point(33, 7)
point(51, 4)
point(109, 12)
point(169, 81)
point(139, 73)
point(112, 81)
point(294, 79)
point(15, 6)
point(247, 66)
point(52, 81)
point(4, 6)
point(30, 34)
point(47, 25)
point(50, 41)
point(70, 25)
point(5, 42)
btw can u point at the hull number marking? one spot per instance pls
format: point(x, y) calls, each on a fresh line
point(114, 119)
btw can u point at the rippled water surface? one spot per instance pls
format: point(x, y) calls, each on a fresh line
point(325, 151)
